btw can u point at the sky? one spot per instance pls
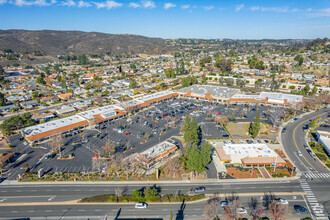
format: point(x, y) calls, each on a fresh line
point(207, 19)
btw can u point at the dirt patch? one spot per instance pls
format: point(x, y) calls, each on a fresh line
point(238, 174)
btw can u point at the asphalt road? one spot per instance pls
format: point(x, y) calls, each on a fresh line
point(44, 194)
point(294, 140)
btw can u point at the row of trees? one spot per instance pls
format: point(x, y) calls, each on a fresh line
point(257, 210)
point(196, 159)
point(188, 81)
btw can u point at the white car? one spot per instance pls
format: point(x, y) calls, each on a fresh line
point(281, 201)
point(24, 143)
point(299, 153)
point(241, 211)
point(141, 205)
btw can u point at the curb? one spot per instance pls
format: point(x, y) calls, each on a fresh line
point(288, 179)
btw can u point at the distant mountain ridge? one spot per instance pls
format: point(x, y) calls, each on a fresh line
point(52, 42)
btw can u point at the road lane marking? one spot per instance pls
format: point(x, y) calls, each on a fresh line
point(294, 138)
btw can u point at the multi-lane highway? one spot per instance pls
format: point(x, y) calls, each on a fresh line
point(313, 172)
point(41, 200)
point(294, 140)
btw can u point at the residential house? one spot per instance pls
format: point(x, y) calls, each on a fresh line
point(65, 96)
point(65, 110)
point(29, 104)
point(43, 117)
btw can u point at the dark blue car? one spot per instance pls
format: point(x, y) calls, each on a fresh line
point(300, 208)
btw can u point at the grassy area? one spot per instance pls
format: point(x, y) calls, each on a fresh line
point(132, 198)
point(320, 153)
point(242, 128)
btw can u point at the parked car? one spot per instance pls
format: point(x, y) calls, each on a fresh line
point(299, 208)
point(224, 203)
point(283, 130)
point(281, 201)
point(141, 205)
point(242, 211)
point(1, 138)
point(199, 189)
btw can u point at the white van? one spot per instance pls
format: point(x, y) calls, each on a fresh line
point(141, 205)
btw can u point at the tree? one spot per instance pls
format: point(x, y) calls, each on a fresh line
point(231, 209)
point(256, 209)
point(2, 99)
point(255, 126)
point(229, 81)
point(223, 64)
point(151, 194)
point(274, 115)
point(109, 147)
point(305, 90)
point(277, 210)
point(40, 80)
point(212, 208)
point(222, 120)
point(2, 72)
point(133, 84)
point(240, 82)
point(174, 166)
point(191, 130)
point(59, 78)
point(314, 90)
point(120, 191)
point(64, 84)
point(197, 160)
point(82, 60)
point(77, 81)
point(299, 60)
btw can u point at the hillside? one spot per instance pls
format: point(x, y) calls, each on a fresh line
point(50, 42)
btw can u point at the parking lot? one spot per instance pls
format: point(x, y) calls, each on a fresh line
point(141, 131)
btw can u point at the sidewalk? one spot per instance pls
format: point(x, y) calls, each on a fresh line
point(288, 179)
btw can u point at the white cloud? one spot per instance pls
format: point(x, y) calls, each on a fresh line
point(325, 12)
point(272, 9)
point(309, 9)
point(169, 5)
point(134, 5)
point(23, 3)
point(185, 6)
point(239, 7)
point(69, 3)
point(208, 7)
point(3, 2)
point(82, 4)
point(108, 4)
point(148, 4)
point(29, 2)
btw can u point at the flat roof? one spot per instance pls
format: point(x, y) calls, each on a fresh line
point(105, 110)
point(214, 91)
point(279, 97)
point(251, 150)
point(158, 151)
point(52, 125)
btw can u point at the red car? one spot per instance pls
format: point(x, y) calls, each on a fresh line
point(95, 155)
point(127, 133)
point(219, 113)
point(1, 138)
